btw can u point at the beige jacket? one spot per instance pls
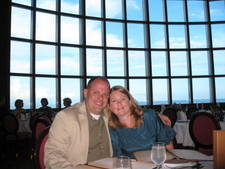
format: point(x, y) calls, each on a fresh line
point(68, 141)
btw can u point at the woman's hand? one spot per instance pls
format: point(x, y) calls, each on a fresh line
point(165, 119)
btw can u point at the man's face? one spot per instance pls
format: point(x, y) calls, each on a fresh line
point(96, 97)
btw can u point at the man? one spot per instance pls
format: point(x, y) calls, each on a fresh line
point(80, 134)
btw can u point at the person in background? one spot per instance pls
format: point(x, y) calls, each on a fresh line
point(45, 108)
point(67, 102)
point(79, 134)
point(133, 129)
point(3, 111)
point(19, 111)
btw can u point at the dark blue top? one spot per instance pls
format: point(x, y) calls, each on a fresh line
point(125, 141)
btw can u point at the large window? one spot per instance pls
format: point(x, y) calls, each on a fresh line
point(163, 51)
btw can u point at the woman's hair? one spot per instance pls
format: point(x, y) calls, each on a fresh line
point(136, 113)
point(44, 100)
point(19, 103)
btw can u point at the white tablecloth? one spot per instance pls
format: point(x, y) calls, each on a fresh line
point(183, 136)
point(24, 126)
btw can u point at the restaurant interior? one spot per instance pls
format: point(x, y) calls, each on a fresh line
point(169, 54)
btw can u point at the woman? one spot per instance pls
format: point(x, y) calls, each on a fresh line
point(45, 108)
point(132, 129)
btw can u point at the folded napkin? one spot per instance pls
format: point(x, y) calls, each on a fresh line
point(178, 164)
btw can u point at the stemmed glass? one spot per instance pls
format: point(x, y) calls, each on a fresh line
point(158, 153)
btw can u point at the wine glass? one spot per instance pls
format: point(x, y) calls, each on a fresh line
point(158, 153)
point(122, 162)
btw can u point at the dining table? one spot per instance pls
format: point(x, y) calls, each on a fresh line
point(24, 125)
point(107, 163)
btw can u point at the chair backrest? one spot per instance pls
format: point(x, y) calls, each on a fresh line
point(10, 124)
point(172, 114)
point(32, 120)
point(201, 129)
point(218, 149)
point(217, 112)
point(46, 117)
point(39, 149)
point(191, 111)
point(39, 125)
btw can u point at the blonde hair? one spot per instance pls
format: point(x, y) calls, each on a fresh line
point(136, 113)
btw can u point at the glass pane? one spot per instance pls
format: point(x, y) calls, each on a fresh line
point(114, 82)
point(220, 90)
point(23, 2)
point(20, 89)
point(93, 33)
point(93, 8)
point(113, 9)
point(178, 63)
point(218, 35)
point(196, 12)
point(70, 61)
point(160, 91)
point(135, 40)
point(198, 36)
point(201, 90)
point(115, 63)
point(157, 35)
point(70, 6)
point(137, 65)
point(156, 11)
point(217, 10)
point(134, 10)
point(159, 66)
point(70, 88)
point(20, 57)
point(139, 93)
point(180, 91)
point(21, 25)
point(45, 59)
point(219, 62)
point(45, 88)
point(175, 11)
point(45, 27)
point(177, 37)
point(94, 62)
point(49, 4)
point(199, 63)
point(70, 30)
point(114, 34)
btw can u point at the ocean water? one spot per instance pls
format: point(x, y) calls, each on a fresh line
point(182, 101)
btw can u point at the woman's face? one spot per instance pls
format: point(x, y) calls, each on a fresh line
point(119, 103)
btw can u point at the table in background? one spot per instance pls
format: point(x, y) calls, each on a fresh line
point(24, 125)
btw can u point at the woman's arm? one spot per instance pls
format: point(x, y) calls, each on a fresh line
point(170, 145)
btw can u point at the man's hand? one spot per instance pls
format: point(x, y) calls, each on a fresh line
point(165, 119)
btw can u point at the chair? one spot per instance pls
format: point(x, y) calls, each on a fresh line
point(201, 129)
point(39, 125)
point(218, 149)
point(10, 127)
point(172, 114)
point(39, 149)
point(190, 111)
point(217, 112)
point(32, 120)
point(46, 117)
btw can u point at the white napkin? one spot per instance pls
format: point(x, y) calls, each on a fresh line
point(178, 164)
